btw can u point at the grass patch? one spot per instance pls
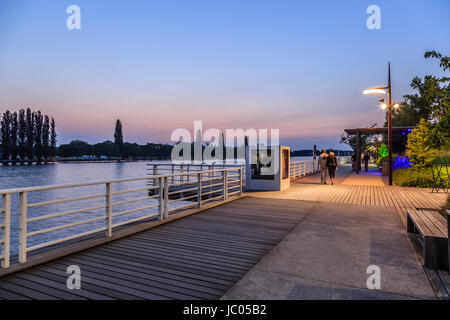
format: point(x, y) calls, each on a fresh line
point(416, 177)
point(413, 177)
point(442, 158)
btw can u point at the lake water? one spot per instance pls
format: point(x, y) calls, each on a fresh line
point(73, 173)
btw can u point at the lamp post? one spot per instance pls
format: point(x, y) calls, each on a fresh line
point(389, 124)
point(387, 106)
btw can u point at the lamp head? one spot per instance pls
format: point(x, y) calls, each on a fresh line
point(375, 91)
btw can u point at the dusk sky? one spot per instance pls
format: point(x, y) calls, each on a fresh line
point(297, 66)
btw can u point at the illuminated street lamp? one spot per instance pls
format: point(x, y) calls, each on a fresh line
point(387, 106)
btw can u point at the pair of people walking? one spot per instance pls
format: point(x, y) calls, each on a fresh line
point(327, 164)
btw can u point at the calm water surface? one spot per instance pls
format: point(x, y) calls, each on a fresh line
point(73, 173)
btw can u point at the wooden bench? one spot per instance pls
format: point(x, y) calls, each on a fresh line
point(431, 228)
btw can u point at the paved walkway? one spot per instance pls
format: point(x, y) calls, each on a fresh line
point(353, 225)
point(363, 189)
point(310, 242)
point(327, 255)
point(198, 257)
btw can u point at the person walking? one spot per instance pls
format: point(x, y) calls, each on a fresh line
point(322, 164)
point(354, 159)
point(366, 161)
point(332, 166)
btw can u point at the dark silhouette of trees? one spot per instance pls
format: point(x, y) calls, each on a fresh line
point(76, 148)
point(13, 137)
point(118, 138)
point(29, 129)
point(108, 149)
point(45, 138)
point(38, 123)
point(26, 134)
point(52, 138)
point(6, 134)
point(21, 134)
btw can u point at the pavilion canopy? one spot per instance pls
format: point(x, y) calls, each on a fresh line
point(367, 131)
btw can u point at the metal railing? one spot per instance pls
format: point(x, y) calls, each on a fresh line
point(156, 169)
point(302, 168)
point(165, 194)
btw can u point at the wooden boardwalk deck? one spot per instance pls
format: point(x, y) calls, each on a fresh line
point(197, 257)
point(364, 189)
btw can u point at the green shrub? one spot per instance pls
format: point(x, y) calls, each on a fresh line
point(418, 147)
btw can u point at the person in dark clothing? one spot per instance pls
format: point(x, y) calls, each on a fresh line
point(354, 160)
point(366, 161)
point(332, 166)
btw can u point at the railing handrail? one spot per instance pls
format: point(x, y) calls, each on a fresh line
point(293, 162)
point(87, 184)
point(219, 186)
point(195, 164)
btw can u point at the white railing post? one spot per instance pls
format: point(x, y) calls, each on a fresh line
point(173, 172)
point(23, 227)
point(155, 173)
point(225, 184)
point(181, 175)
point(211, 178)
point(166, 197)
point(108, 210)
point(199, 177)
point(6, 230)
point(161, 198)
point(240, 180)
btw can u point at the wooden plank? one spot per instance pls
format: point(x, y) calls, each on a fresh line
point(24, 281)
point(421, 226)
point(25, 291)
point(434, 231)
point(151, 275)
point(126, 284)
point(205, 280)
point(437, 220)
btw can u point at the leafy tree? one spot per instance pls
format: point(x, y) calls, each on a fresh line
point(21, 134)
point(118, 137)
point(431, 102)
point(38, 124)
point(52, 138)
point(6, 134)
point(29, 129)
point(419, 147)
point(364, 142)
point(45, 138)
point(13, 139)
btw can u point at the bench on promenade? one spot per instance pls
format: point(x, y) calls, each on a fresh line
point(432, 231)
